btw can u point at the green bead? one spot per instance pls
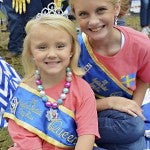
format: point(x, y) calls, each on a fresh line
point(59, 101)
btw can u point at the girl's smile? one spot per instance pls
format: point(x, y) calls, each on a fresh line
point(51, 52)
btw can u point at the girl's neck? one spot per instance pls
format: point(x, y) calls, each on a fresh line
point(49, 81)
point(108, 46)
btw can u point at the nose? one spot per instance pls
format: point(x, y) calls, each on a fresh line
point(51, 53)
point(94, 20)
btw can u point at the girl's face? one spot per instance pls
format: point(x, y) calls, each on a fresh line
point(96, 17)
point(51, 49)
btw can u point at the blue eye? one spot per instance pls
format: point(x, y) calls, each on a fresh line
point(83, 14)
point(42, 47)
point(60, 45)
point(100, 10)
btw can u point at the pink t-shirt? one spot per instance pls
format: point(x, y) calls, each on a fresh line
point(80, 99)
point(133, 59)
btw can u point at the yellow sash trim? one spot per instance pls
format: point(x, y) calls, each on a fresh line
point(61, 107)
point(35, 131)
point(89, 48)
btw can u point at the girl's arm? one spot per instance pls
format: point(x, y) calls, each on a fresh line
point(140, 91)
point(85, 142)
point(121, 104)
point(22, 138)
point(126, 105)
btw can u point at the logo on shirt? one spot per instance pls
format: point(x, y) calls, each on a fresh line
point(129, 80)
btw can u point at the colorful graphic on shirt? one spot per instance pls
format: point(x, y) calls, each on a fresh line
point(129, 80)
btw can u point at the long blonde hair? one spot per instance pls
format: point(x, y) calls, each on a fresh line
point(61, 23)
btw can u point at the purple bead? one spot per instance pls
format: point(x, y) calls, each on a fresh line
point(48, 104)
point(67, 85)
point(38, 82)
point(54, 105)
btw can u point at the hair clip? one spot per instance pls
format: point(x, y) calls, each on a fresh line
point(51, 9)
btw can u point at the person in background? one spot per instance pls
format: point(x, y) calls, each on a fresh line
point(2, 8)
point(53, 107)
point(145, 16)
point(19, 12)
point(121, 21)
point(2, 21)
point(125, 4)
point(116, 61)
point(9, 80)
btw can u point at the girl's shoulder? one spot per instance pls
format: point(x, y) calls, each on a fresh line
point(81, 84)
point(28, 82)
point(132, 33)
point(134, 37)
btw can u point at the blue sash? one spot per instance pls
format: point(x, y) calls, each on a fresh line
point(102, 81)
point(28, 110)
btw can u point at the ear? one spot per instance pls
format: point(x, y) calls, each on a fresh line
point(117, 8)
point(71, 53)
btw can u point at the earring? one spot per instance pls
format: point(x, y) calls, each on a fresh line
point(115, 21)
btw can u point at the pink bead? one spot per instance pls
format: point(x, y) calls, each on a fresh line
point(67, 85)
point(38, 82)
point(54, 105)
point(48, 104)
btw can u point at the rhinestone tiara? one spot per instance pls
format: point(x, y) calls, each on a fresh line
point(51, 9)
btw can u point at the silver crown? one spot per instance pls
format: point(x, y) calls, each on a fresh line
point(51, 9)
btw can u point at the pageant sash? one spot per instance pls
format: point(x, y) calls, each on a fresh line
point(102, 81)
point(28, 110)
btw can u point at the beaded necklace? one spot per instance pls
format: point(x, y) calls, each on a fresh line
point(53, 106)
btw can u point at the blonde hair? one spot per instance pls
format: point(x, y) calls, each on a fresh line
point(124, 6)
point(55, 21)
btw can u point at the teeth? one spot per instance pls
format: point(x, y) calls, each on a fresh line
point(95, 30)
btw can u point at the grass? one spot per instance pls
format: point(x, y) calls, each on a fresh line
point(5, 141)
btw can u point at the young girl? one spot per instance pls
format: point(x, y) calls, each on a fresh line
point(53, 108)
point(117, 63)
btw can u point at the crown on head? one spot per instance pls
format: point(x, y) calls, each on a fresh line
point(51, 9)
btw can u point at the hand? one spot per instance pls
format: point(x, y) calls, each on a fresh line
point(85, 142)
point(126, 105)
point(20, 5)
point(58, 3)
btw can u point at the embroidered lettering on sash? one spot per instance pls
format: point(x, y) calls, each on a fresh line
point(99, 85)
point(87, 67)
point(28, 111)
point(56, 126)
